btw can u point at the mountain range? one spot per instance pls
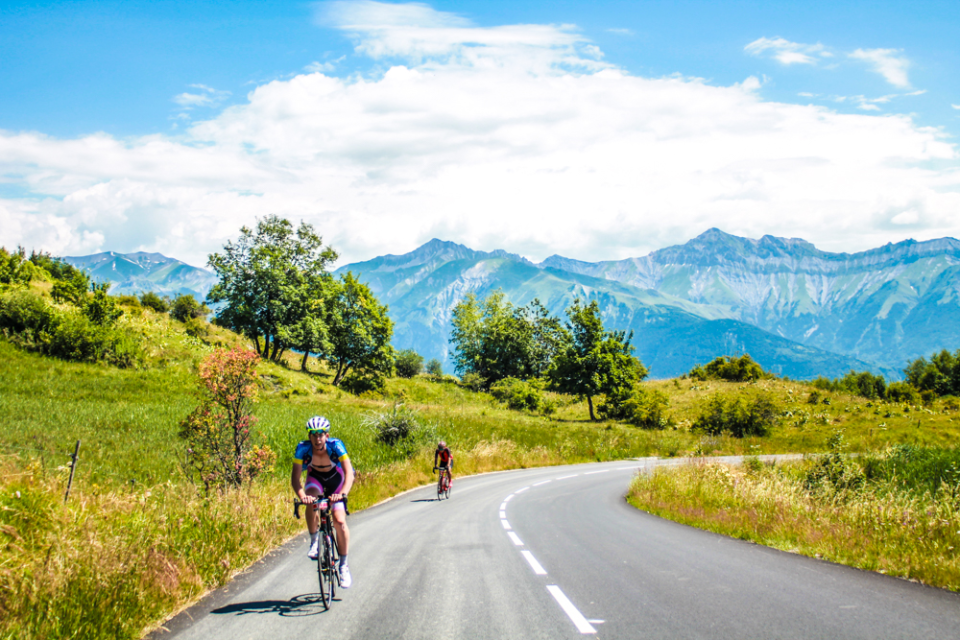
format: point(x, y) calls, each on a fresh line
point(134, 273)
point(797, 310)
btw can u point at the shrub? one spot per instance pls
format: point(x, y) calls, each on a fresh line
point(217, 432)
point(833, 474)
point(401, 429)
point(473, 381)
point(435, 367)
point(197, 327)
point(646, 409)
point(903, 392)
point(742, 369)
point(519, 394)
point(408, 363)
point(129, 301)
point(185, 307)
point(152, 301)
point(739, 416)
point(32, 324)
point(359, 383)
point(101, 308)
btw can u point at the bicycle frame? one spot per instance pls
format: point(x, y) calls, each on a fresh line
point(328, 557)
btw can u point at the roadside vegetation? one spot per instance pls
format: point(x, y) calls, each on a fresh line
point(183, 469)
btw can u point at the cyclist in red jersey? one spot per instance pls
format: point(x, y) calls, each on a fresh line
point(445, 458)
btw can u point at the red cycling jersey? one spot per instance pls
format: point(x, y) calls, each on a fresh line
point(443, 456)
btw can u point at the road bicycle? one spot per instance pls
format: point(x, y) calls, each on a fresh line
point(327, 558)
point(444, 481)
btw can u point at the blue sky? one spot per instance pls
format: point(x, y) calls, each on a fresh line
point(626, 125)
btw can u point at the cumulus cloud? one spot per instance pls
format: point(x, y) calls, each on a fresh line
point(787, 52)
point(888, 63)
point(455, 134)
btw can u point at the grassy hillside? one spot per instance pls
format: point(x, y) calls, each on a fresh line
point(137, 540)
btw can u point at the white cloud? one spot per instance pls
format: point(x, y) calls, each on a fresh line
point(621, 31)
point(514, 137)
point(208, 97)
point(955, 106)
point(787, 52)
point(888, 63)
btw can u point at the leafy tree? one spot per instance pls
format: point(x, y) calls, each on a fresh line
point(494, 340)
point(409, 363)
point(271, 280)
point(15, 269)
point(185, 307)
point(940, 374)
point(595, 361)
point(435, 367)
point(359, 330)
point(217, 432)
point(72, 289)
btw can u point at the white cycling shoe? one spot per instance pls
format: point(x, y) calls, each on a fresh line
point(314, 548)
point(345, 579)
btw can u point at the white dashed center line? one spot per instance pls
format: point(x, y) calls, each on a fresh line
point(542, 483)
point(515, 538)
point(565, 477)
point(581, 623)
point(521, 490)
point(590, 473)
point(537, 569)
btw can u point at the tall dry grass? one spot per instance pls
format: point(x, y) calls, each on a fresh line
point(875, 527)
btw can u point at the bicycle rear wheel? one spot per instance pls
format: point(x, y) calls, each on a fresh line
point(440, 487)
point(447, 482)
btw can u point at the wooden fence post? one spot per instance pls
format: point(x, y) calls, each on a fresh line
point(73, 469)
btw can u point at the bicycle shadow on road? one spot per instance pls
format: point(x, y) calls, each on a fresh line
point(296, 607)
point(427, 500)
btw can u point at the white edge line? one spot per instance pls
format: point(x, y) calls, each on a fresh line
point(565, 477)
point(590, 473)
point(627, 468)
point(503, 505)
point(508, 498)
point(537, 569)
point(572, 612)
point(521, 490)
point(515, 538)
point(542, 483)
point(506, 525)
point(503, 514)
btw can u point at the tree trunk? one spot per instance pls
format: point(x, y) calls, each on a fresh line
point(342, 369)
point(590, 404)
point(303, 363)
point(256, 342)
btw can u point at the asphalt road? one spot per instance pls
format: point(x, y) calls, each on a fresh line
point(557, 553)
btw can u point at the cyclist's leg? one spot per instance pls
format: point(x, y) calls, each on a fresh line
point(313, 488)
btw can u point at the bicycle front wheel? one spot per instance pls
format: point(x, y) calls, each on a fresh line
point(332, 574)
point(448, 481)
point(325, 594)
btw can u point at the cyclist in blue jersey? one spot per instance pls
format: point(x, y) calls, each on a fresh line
point(330, 474)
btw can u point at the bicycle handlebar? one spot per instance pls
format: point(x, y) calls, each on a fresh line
point(318, 504)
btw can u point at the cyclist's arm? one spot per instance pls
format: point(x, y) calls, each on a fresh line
point(295, 477)
point(435, 455)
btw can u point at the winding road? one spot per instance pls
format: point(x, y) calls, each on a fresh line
point(557, 553)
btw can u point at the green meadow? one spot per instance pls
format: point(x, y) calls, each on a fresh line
point(137, 540)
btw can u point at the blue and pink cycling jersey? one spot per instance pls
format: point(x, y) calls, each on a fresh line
point(323, 482)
